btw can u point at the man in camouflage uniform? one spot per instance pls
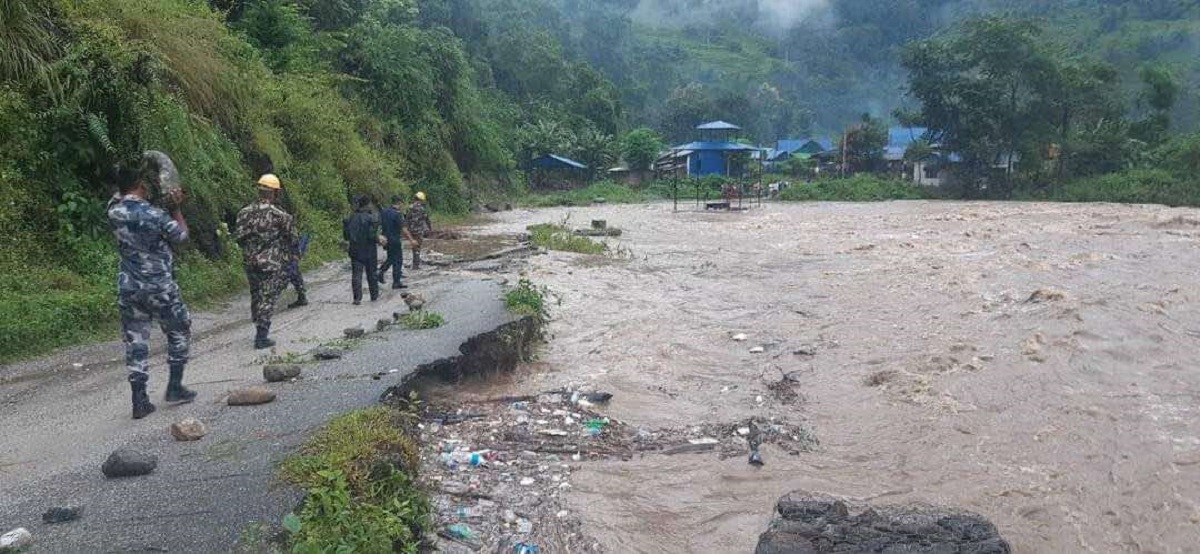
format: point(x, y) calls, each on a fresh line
point(146, 287)
point(419, 226)
point(267, 235)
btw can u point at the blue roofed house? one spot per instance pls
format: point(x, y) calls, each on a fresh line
point(551, 171)
point(715, 153)
point(933, 169)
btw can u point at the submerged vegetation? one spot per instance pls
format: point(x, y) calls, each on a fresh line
point(560, 237)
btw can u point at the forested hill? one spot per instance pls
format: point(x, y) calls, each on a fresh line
point(452, 96)
point(781, 66)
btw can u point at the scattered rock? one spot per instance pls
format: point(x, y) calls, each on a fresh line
point(599, 397)
point(599, 224)
point(188, 430)
point(740, 337)
point(1032, 348)
point(880, 378)
point(599, 200)
point(251, 396)
point(819, 524)
point(15, 540)
point(1046, 295)
point(128, 463)
point(527, 481)
point(62, 514)
point(414, 301)
point(354, 333)
point(805, 351)
point(757, 350)
point(326, 353)
point(383, 324)
point(275, 373)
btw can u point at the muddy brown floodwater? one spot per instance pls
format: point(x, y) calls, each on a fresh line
point(925, 363)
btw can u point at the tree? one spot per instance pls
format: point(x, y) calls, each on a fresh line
point(596, 149)
point(1159, 93)
point(641, 147)
point(863, 145)
point(998, 93)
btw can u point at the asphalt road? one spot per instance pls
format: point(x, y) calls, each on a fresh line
point(61, 420)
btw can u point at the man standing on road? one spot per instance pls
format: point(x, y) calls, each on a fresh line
point(146, 287)
point(295, 276)
point(267, 236)
point(394, 230)
point(361, 231)
point(419, 225)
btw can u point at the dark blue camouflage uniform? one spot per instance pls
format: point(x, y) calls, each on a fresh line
point(146, 287)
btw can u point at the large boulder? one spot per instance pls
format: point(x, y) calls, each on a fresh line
point(250, 396)
point(810, 523)
point(128, 463)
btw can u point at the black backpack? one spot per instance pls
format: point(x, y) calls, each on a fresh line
point(362, 229)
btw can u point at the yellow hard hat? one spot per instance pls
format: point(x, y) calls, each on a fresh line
point(269, 181)
point(421, 196)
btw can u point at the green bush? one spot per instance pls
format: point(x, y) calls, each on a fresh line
point(528, 299)
point(421, 320)
point(1139, 186)
point(612, 193)
point(859, 188)
point(360, 474)
point(561, 238)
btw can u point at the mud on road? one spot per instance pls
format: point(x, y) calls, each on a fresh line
point(1034, 363)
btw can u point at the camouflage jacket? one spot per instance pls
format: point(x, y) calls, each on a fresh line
point(418, 219)
point(144, 235)
point(267, 236)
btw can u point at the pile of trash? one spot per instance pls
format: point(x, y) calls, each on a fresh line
point(498, 469)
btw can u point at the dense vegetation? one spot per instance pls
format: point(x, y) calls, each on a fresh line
point(455, 96)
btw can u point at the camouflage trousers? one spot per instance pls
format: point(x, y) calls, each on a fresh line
point(265, 287)
point(138, 311)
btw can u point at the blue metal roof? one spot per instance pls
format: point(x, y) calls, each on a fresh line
point(552, 161)
point(718, 126)
point(902, 137)
point(731, 146)
point(791, 146)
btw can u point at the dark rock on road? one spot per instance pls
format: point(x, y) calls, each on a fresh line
point(62, 514)
point(128, 463)
point(818, 524)
point(251, 396)
point(280, 372)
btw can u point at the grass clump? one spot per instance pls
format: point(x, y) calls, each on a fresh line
point(611, 192)
point(560, 237)
point(360, 476)
point(859, 188)
point(422, 320)
point(528, 299)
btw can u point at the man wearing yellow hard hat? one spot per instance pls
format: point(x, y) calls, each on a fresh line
point(267, 235)
point(419, 226)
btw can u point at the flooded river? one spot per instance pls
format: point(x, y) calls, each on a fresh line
point(927, 366)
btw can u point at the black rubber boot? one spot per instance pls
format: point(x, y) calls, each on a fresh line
point(301, 301)
point(416, 259)
point(261, 339)
point(176, 392)
point(141, 401)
